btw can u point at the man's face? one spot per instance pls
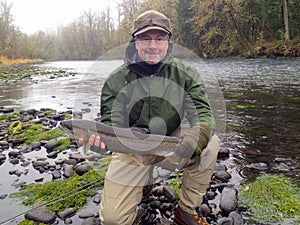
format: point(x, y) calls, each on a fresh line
point(152, 46)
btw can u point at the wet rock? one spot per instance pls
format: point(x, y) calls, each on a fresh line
point(85, 214)
point(25, 163)
point(223, 153)
point(2, 157)
point(31, 111)
point(7, 110)
point(78, 157)
point(50, 145)
point(35, 145)
point(66, 213)
point(56, 174)
point(228, 201)
point(13, 154)
point(16, 141)
point(40, 163)
point(205, 210)
point(18, 183)
point(3, 143)
point(41, 215)
point(226, 221)
point(52, 155)
point(14, 161)
point(237, 218)
point(91, 221)
point(3, 196)
point(258, 166)
point(96, 198)
point(68, 221)
point(68, 170)
point(223, 176)
point(81, 169)
point(169, 193)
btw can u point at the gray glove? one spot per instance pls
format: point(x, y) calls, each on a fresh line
point(194, 141)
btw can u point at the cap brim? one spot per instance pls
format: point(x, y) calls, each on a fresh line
point(150, 28)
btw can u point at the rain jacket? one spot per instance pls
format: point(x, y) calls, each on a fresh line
point(155, 97)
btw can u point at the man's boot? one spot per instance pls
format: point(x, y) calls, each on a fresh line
point(183, 218)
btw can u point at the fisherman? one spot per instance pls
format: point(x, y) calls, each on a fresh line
point(154, 91)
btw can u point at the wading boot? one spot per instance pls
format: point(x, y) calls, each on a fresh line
point(183, 218)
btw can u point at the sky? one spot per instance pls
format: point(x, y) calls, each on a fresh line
point(34, 15)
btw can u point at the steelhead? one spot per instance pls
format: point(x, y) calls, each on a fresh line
point(122, 140)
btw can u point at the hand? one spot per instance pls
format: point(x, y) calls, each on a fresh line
point(194, 141)
point(94, 142)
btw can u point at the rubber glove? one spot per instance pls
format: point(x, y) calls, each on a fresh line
point(194, 141)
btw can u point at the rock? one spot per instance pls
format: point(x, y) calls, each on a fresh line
point(85, 214)
point(237, 218)
point(223, 153)
point(40, 163)
point(35, 145)
point(96, 198)
point(13, 154)
point(14, 161)
point(169, 193)
point(91, 221)
point(66, 213)
point(41, 215)
point(7, 110)
point(228, 201)
point(52, 155)
point(18, 183)
point(68, 170)
point(50, 145)
point(16, 141)
point(2, 157)
point(223, 176)
point(226, 221)
point(205, 210)
point(3, 196)
point(81, 169)
point(56, 174)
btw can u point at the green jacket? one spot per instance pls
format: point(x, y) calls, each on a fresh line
point(135, 96)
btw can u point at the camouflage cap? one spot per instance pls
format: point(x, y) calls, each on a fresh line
point(151, 20)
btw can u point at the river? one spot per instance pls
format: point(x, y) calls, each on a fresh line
point(256, 102)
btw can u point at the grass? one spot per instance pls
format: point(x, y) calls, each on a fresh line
point(271, 197)
point(7, 61)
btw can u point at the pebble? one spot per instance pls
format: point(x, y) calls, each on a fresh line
point(228, 201)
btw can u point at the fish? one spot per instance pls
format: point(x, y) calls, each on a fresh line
point(125, 140)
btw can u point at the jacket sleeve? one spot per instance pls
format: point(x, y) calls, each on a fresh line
point(197, 107)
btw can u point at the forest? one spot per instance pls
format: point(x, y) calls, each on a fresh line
point(210, 28)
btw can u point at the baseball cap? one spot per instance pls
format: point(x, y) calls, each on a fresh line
point(151, 20)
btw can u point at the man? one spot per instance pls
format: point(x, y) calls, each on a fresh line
point(155, 92)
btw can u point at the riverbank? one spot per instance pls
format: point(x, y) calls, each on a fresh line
point(35, 153)
point(53, 164)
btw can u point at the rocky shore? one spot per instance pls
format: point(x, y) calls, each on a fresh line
point(220, 205)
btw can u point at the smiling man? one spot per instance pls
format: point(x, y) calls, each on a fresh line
point(154, 91)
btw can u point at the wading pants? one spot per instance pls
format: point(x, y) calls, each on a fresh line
point(127, 176)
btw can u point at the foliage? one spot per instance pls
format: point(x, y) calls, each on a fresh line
point(271, 197)
point(209, 28)
point(62, 194)
point(175, 183)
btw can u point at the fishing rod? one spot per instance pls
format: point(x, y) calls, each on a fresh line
point(68, 194)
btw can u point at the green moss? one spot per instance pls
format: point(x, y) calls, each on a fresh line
point(271, 198)
point(62, 193)
point(35, 132)
point(30, 222)
point(63, 144)
point(9, 116)
point(176, 183)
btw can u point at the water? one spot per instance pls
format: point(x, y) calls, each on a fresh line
point(272, 133)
